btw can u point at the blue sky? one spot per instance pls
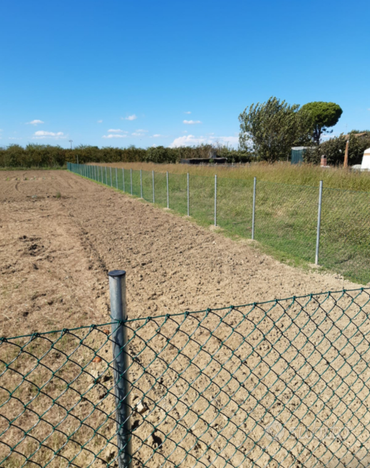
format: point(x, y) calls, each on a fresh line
point(169, 72)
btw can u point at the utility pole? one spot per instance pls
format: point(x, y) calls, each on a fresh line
point(345, 165)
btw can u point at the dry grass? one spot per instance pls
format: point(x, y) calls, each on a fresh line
point(281, 172)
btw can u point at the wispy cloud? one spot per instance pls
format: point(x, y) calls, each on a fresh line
point(15, 138)
point(100, 121)
point(42, 134)
point(139, 132)
point(191, 140)
point(114, 135)
point(130, 117)
point(191, 122)
point(115, 130)
point(187, 112)
point(157, 135)
point(35, 122)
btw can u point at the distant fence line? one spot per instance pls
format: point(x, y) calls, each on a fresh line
point(328, 227)
point(280, 383)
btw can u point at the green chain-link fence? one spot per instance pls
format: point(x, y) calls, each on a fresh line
point(284, 383)
point(285, 215)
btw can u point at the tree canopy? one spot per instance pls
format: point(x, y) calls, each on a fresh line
point(272, 128)
point(324, 115)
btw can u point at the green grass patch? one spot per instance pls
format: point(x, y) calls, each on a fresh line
point(285, 217)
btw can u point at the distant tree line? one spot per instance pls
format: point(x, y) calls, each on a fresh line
point(36, 155)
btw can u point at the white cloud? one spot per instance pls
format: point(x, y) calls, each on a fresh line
point(226, 140)
point(42, 134)
point(187, 140)
point(15, 138)
point(35, 122)
point(191, 122)
point(191, 140)
point(157, 135)
point(187, 112)
point(100, 121)
point(114, 135)
point(115, 130)
point(139, 132)
point(130, 117)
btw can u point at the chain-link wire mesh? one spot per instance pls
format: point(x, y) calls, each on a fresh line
point(345, 233)
point(286, 218)
point(202, 199)
point(234, 205)
point(285, 215)
point(283, 383)
point(178, 193)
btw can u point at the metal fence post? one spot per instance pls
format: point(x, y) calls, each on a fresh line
point(318, 225)
point(141, 183)
point(123, 179)
point(116, 179)
point(215, 211)
point(254, 206)
point(188, 192)
point(117, 289)
point(153, 186)
point(168, 192)
point(131, 179)
point(110, 177)
point(106, 176)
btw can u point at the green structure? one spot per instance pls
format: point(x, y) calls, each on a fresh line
point(297, 154)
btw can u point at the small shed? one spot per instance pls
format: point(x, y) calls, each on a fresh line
point(297, 154)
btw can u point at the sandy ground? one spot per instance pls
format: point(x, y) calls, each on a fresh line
point(56, 252)
point(61, 234)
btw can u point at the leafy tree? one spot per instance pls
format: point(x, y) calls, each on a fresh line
point(334, 150)
point(272, 128)
point(323, 115)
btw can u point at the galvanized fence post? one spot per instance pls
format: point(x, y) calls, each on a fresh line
point(110, 177)
point(116, 179)
point(131, 179)
point(141, 183)
point(215, 209)
point(123, 179)
point(318, 225)
point(106, 176)
point(254, 206)
point(153, 186)
point(188, 192)
point(117, 289)
point(168, 191)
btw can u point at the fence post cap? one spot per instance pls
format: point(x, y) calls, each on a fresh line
point(116, 273)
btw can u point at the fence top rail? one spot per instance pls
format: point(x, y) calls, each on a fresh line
point(253, 305)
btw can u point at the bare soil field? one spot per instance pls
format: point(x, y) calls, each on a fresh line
point(56, 252)
point(60, 235)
